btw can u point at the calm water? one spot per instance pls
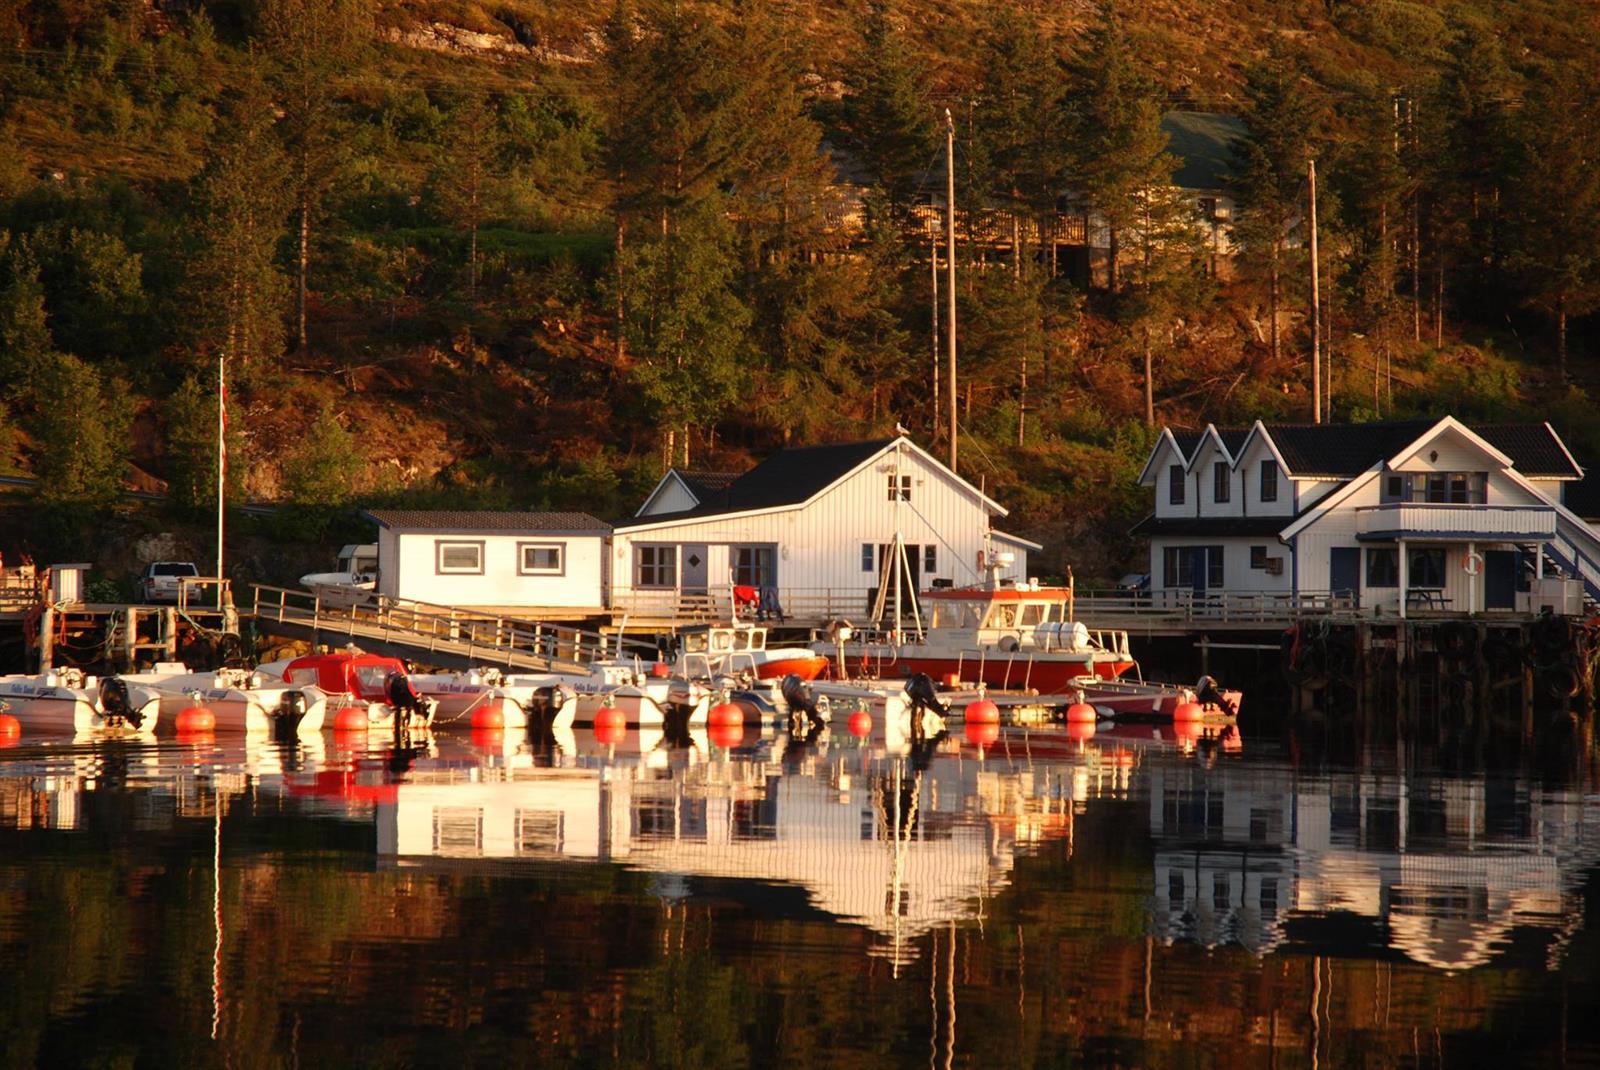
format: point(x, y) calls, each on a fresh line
point(1041, 901)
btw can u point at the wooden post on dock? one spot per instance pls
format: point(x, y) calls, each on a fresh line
point(169, 633)
point(1527, 702)
point(47, 639)
point(130, 635)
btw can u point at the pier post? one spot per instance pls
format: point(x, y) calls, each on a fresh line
point(169, 633)
point(47, 639)
point(130, 635)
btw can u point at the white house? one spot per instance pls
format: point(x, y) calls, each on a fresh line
point(813, 524)
point(1393, 516)
point(488, 560)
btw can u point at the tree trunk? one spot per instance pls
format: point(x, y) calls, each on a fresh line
point(1112, 251)
point(1416, 268)
point(1272, 303)
point(302, 266)
point(671, 450)
point(1561, 338)
point(685, 446)
point(1016, 246)
point(1438, 299)
point(1022, 400)
point(622, 229)
point(1149, 383)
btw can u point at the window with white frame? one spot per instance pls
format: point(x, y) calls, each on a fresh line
point(930, 560)
point(655, 566)
point(541, 558)
point(458, 558)
point(1269, 481)
point(755, 566)
point(1175, 484)
point(899, 487)
point(868, 557)
point(1221, 482)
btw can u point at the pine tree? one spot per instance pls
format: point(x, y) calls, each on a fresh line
point(322, 467)
point(886, 112)
point(467, 172)
point(311, 44)
point(81, 428)
point(26, 344)
point(1119, 151)
point(190, 423)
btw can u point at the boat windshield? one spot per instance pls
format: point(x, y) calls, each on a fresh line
point(954, 614)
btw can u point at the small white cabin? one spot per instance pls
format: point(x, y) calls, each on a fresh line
point(526, 562)
point(1394, 517)
point(813, 527)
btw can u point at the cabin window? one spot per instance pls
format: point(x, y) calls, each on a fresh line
point(954, 615)
point(541, 558)
point(1032, 615)
point(657, 566)
point(1383, 568)
point(900, 487)
point(755, 566)
point(930, 560)
point(1425, 568)
point(1269, 481)
point(1175, 484)
point(867, 557)
point(458, 558)
point(1220, 482)
point(1003, 615)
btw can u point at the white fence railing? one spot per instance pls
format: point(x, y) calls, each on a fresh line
point(1495, 523)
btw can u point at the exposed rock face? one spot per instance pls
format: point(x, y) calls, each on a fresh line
point(443, 37)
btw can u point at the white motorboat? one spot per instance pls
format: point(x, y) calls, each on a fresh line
point(645, 696)
point(524, 698)
point(355, 578)
point(67, 701)
point(239, 699)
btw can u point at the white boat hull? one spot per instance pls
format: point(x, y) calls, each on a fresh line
point(42, 705)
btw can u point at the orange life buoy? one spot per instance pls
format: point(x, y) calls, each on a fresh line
point(1472, 563)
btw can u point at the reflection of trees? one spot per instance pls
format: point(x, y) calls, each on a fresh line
point(107, 933)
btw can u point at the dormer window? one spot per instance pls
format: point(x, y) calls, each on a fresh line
point(1221, 482)
point(1269, 481)
point(1175, 484)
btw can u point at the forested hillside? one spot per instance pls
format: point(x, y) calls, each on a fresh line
point(521, 253)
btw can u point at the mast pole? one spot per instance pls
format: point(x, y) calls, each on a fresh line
point(950, 278)
point(1316, 305)
point(222, 460)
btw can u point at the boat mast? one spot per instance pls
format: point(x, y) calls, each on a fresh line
point(222, 459)
point(950, 268)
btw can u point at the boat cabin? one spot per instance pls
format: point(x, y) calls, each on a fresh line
point(361, 675)
point(723, 639)
point(1008, 618)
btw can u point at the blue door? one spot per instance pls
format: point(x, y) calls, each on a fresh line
point(1344, 573)
point(1500, 579)
point(1197, 568)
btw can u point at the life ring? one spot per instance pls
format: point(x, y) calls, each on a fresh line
point(1472, 563)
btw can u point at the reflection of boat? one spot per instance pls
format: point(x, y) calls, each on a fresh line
point(1139, 699)
point(354, 579)
point(67, 701)
point(369, 683)
point(240, 700)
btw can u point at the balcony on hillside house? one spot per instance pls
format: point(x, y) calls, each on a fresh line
point(1438, 521)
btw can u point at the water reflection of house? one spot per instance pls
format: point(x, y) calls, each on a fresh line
point(1441, 869)
point(886, 849)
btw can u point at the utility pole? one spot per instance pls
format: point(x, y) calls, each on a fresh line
point(933, 320)
point(1316, 306)
point(950, 278)
point(222, 460)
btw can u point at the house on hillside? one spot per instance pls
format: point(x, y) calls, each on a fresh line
point(814, 525)
point(536, 564)
point(1429, 514)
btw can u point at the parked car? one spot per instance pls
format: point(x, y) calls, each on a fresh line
point(159, 580)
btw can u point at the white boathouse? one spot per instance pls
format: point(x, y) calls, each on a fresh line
point(1396, 517)
point(814, 526)
point(528, 562)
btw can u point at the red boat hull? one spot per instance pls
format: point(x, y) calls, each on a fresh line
point(807, 668)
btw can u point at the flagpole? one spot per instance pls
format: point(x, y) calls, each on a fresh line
point(222, 459)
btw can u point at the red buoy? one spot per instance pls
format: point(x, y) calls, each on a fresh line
point(610, 724)
point(492, 740)
point(660, 670)
point(1082, 731)
point(1081, 713)
point(10, 727)
point(727, 733)
point(1188, 711)
point(194, 720)
point(489, 715)
point(982, 712)
point(860, 723)
point(981, 733)
point(350, 719)
point(725, 714)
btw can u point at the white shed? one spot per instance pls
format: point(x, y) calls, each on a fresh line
point(813, 526)
point(526, 562)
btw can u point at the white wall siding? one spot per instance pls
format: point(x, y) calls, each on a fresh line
point(1165, 458)
point(388, 563)
point(671, 497)
point(581, 586)
point(1250, 477)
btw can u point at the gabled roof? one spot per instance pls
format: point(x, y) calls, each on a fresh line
point(1536, 448)
point(474, 520)
point(706, 486)
point(1340, 451)
point(1229, 439)
point(793, 476)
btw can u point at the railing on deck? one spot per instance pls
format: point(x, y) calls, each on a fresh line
point(446, 629)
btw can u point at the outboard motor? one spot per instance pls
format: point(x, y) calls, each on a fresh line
point(404, 698)
point(116, 705)
point(924, 696)
point(545, 703)
point(286, 718)
point(1207, 693)
point(798, 697)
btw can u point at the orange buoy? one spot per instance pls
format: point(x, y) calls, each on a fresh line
point(952, 679)
point(1081, 713)
point(10, 727)
point(725, 714)
point(1188, 711)
point(350, 719)
point(193, 720)
point(660, 670)
point(982, 712)
point(981, 733)
point(489, 739)
point(860, 723)
point(610, 724)
point(1188, 733)
point(489, 715)
point(726, 733)
point(1080, 730)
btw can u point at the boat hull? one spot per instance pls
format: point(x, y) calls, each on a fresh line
point(52, 709)
point(805, 666)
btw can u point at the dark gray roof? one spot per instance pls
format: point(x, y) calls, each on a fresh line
point(1232, 439)
point(474, 520)
point(705, 486)
point(1340, 451)
point(789, 477)
point(1219, 526)
point(1203, 142)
